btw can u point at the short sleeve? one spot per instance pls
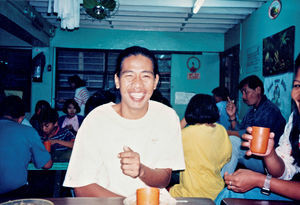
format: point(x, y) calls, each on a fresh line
point(85, 166)
point(284, 151)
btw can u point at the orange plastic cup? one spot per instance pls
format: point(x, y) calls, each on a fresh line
point(259, 142)
point(147, 196)
point(47, 145)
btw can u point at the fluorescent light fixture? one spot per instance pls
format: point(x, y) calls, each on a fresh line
point(197, 6)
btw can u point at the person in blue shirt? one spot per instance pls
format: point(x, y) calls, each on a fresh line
point(19, 145)
point(221, 95)
point(263, 113)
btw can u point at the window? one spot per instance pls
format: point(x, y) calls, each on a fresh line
point(97, 68)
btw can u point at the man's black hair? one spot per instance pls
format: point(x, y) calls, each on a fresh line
point(221, 92)
point(12, 106)
point(253, 82)
point(134, 51)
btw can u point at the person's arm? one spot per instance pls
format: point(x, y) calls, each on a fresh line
point(63, 143)
point(231, 112)
point(48, 165)
point(131, 166)
point(233, 132)
point(183, 123)
point(94, 190)
point(244, 180)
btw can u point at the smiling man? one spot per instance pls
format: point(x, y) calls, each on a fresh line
point(135, 143)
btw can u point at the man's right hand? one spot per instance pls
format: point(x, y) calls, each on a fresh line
point(230, 108)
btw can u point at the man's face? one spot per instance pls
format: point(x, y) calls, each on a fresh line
point(251, 97)
point(49, 128)
point(136, 84)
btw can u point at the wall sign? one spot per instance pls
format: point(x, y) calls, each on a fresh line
point(274, 9)
point(193, 64)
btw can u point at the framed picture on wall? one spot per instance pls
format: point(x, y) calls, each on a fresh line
point(278, 52)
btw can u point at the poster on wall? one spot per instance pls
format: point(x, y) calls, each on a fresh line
point(278, 89)
point(278, 52)
point(253, 59)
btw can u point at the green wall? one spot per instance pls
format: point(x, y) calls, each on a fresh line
point(259, 26)
point(116, 39)
point(209, 77)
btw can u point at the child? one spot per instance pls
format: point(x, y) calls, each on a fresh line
point(60, 138)
point(71, 120)
point(206, 149)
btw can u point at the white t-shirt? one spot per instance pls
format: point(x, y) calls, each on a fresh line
point(104, 133)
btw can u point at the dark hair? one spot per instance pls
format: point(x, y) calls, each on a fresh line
point(221, 92)
point(12, 106)
point(99, 98)
point(67, 103)
point(253, 82)
point(134, 51)
point(48, 115)
point(77, 81)
point(295, 132)
point(201, 109)
point(157, 96)
point(41, 104)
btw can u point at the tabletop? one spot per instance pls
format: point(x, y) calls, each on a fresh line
point(119, 201)
point(234, 201)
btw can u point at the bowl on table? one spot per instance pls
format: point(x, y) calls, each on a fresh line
point(28, 202)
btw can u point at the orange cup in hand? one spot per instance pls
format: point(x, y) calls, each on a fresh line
point(147, 196)
point(47, 145)
point(259, 142)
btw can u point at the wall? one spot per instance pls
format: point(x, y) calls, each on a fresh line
point(209, 77)
point(259, 26)
point(115, 39)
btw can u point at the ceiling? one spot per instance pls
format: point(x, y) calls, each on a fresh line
point(215, 16)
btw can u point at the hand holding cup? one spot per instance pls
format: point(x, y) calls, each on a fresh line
point(250, 142)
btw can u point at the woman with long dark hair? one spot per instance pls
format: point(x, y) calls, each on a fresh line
point(282, 163)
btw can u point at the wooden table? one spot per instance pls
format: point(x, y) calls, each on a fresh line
point(233, 201)
point(119, 201)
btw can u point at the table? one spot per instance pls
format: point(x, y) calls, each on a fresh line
point(234, 201)
point(119, 201)
point(58, 167)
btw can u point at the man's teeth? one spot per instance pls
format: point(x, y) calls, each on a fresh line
point(137, 95)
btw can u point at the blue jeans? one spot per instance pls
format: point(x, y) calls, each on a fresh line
point(251, 194)
point(239, 155)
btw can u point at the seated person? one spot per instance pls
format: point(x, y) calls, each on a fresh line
point(40, 106)
point(263, 113)
point(206, 149)
point(282, 163)
point(60, 138)
point(19, 144)
point(221, 95)
point(71, 120)
point(132, 144)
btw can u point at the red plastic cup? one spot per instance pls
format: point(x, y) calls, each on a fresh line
point(47, 145)
point(259, 142)
point(147, 196)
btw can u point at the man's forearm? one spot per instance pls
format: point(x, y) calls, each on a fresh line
point(155, 177)
point(94, 190)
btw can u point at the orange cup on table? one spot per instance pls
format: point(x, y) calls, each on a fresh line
point(47, 145)
point(147, 196)
point(259, 142)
